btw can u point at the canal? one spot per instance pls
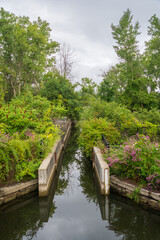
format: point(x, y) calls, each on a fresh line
point(75, 210)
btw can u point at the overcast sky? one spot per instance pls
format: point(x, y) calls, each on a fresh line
point(85, 26)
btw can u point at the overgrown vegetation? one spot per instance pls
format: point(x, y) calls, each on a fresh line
point(137, 159)
point(128, 105)
point(34, 93)
point(27, 134)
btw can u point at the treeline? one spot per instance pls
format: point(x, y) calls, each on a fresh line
point(134, 80)
point(33, 94)
point(28, 61)
point(35, 90)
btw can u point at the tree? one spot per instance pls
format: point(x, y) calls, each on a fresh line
point(87, 89)
point(152, 51)
point(26, 50)
point(112, 86)
point(125, 34)
point(64, 61)
point(127, 82)
point(56, 87)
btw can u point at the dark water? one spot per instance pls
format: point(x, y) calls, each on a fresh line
point(75, 210)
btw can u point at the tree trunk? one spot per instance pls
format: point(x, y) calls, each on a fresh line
point(19, 85)
point(13, 88)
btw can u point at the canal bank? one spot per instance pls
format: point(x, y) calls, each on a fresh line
point(126, 188)
point(9, 195)
point(76, 209)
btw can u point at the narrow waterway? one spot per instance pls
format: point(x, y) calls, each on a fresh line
point(75, 210)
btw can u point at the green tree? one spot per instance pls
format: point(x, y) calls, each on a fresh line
point(87, 89)
point(127, 81)
point(152, 52)
point(56, 87)
point(26, 51)
point(112, 86)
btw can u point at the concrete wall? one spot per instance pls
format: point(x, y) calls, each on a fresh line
point(145, 197)
point(102, 171)
point(10, 193)
point(48, 167)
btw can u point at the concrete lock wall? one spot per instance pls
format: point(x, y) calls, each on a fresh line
point(48, 167)
point(102, 171)
point(10, 194)
point(144, 197)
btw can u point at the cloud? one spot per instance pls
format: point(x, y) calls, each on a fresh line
point(85, 25)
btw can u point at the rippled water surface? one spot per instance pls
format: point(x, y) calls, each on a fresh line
point(75, 210)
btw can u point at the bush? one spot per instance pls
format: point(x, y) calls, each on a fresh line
point(27, 134)
point(55, 87)
point(152, 116)
point(138, 159)
point(91, 133)
point(122, 118)
point(31, 112)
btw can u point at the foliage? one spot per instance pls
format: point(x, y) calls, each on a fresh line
point(18, 157)
point(152, 116)
point(122, 118)
point(137, 159)
point(132, 80)
point(26, 51)
point(91, 133)
point(57, 87)
point(27, 134)
point(135, 194)
point(152, 55)
point(28, 111)
point(87, 90)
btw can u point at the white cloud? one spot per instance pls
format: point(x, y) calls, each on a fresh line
point(85, 25)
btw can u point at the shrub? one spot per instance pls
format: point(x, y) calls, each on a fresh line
point(91, 133)
point(138, 159)
point(152, 116)
point(122, 118)
point(29, 112)
point(27, 134)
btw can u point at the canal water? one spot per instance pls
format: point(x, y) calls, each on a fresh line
point(75, 210)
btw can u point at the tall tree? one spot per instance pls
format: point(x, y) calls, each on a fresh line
point(125, 35)
point(127, 82)
point(113, 84)
point(56, 87)
point(87, 90)
point(152, 51)
point(26, 50)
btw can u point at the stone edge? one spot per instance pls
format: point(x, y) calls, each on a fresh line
point(145, 197)
point(10, 193)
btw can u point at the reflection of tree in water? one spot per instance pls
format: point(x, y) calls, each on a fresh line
point(132, 221)
point(73, 163)
point(21, 222)
point(67, 176)
point(86, 179)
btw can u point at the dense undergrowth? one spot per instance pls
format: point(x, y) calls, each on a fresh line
point(135, 140)
point(27, 134)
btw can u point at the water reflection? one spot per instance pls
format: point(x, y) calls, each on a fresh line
point(20, 221)
point(75, 209)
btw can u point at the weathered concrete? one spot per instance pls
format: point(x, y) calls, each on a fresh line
point(148, 198)
point(101, 170)
point(48, 167)
point(10, 193)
